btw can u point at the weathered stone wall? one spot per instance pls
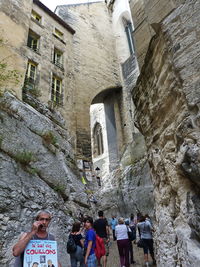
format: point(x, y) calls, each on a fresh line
point(146, 14)
point(95, 61)
point(167, 111)
point(14, 18)
point(128, 187)
point(120, 10)
point(37, 171)
point(16, 21)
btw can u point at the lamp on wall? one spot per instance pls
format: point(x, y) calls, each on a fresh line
point(97, 170)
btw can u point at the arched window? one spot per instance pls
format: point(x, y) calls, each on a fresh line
point(129, 30)
point(98, 140)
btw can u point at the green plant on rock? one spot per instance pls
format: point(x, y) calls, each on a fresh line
point(25, 157)
point(60, 188)
point(32, 171)
point(49, 138)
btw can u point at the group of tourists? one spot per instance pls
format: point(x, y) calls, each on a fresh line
point(88, 242)
point(92, 241)
point(94, 248)
point(124, 231)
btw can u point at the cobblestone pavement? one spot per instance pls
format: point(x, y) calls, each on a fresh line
point(113, 259)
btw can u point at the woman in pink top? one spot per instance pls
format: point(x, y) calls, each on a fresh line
point(121, 233)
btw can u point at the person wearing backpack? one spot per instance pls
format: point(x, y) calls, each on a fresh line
point(75, 246)
point(146, 230)
point(90, 243)
point(100, 250)
point(102, 230)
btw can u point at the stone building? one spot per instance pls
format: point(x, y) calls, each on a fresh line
point(49, 69)
point(93, 46)
point(42, 53)
point(166, 96)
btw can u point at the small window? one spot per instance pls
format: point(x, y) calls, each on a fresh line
point(33, 41)
point(58, 33)
point(31, 70)
point(30, 78)
point(56, 91)
point(58, 58)
point(36, 16)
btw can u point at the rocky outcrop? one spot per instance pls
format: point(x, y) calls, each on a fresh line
point(37, 171)
point(167, 113)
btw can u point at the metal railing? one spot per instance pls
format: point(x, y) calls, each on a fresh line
point(35, 49)
point(57, 98)
point(30, 83)
point(58, 64)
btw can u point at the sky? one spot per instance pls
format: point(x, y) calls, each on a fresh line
point(51, 4)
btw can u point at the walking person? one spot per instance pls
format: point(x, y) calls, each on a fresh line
point(113, 223)
point(89, 244)
point(130, 244)
point(145, 228)
point(132, 223)
point(77, 256)
point(121, 233)
point(102, 230)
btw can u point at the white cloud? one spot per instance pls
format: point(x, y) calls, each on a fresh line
point(51, 4)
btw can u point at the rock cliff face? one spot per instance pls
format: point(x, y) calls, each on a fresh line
point(167, 102)
point(129, 188)
point(37, 171)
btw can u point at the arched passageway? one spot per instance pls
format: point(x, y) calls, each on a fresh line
point(105, 129)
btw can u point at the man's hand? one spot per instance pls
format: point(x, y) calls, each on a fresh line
point(35, 226)
point(25, 238)
point(88, 251)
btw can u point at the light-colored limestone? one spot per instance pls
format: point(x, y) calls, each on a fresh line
point(43, 178)
point(166, 98)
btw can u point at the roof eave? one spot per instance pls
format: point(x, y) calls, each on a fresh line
point(54, 16)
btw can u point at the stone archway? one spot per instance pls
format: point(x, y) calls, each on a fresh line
point(104, 111)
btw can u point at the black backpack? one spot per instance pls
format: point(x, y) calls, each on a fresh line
point(131, 235)
point(71, 245)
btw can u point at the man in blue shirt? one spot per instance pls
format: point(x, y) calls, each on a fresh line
point(113, 224)
point(90, 243)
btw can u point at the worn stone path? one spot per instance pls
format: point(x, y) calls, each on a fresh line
point(113, 259)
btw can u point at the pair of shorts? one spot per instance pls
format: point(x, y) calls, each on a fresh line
point(148, 246)
point(106, 244)
point(92, 261)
